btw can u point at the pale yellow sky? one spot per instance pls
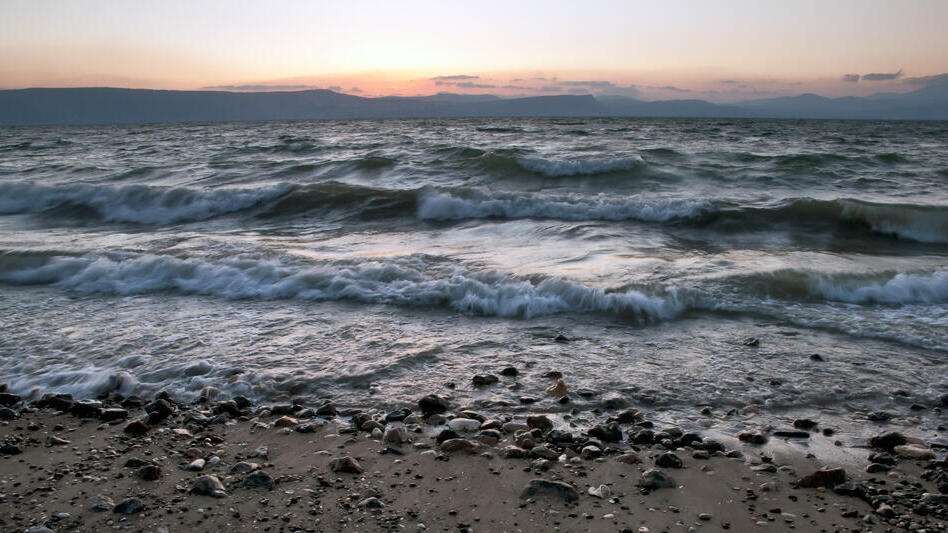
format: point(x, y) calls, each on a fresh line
point(720, 50)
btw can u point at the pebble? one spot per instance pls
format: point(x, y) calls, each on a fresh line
point(286, 422)
point(196, 465)
point(752, 437)
point(458, 445)
point(257, 480)
point(559, 489)
point(101, 503)
point(464, 425)
point(602, 492)
point(705, 516)
point(629, 458)
point(558, 388)
point(396, 435)
point(668, 460)
point(129, 506)
point(432, 404)
point(149, 472)
point(346, 464)
point(827, 477)
point(914, 452)
point(244, 467)
point(208, 485)
point(541, 422)
point(655, 479)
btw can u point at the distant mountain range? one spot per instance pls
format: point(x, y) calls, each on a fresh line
point(106, 105)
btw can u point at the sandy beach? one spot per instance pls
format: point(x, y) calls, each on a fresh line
point(156, 465)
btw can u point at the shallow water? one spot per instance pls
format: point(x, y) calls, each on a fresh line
point(373, 261)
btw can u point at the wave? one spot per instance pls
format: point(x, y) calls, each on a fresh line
point(556, 168)
point(141, 204)
point(437, 205)
point(887, 288)
point(914, 222)
point(411, 281)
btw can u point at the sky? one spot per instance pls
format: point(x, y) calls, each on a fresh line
point(717, 50)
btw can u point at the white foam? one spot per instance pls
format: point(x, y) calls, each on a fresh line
point(913, 222)
point(900, 289)
point(555, 168)
point(434, 205)
point(134, 203)
point(401, 281)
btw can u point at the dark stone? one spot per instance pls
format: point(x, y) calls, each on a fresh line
point(887, 441)
point(283, 409)
point(258, 480)
point(880, 416)
point(644, 436)
point(543, 487)
point(60, 402)
point(751, 342)
point(668, 460)
point(558, 436)
point(655, 479)
point(432, 404)
point(827, 477)
point(711, 445)
point(208, 485)
point(482, 380)
point(159, 410)
point(606, 432)
point(626, 416)
point(689, 439)
point(10, 449)
point(471, 415)
point(228, 407)
point(327, 410)
point(129, 506)
point(108, 415)
point(9, 399)
point(553, 374)
point(135, 462)
point(7, 414)
point(446, 434)
point(87, 409)
point(586, 393)
point(752, 437)
point(346, 465)
point(876, 468)
point(136, 427)
point(149, 472)
point(563, 400)
point(943, 400)
point(527, 400)
point(541, 422)
point(306, 428)
point(561, 338)
point(509, 371)
point(816, 357)
point(804, 423)
point(883, 458)
point(398, 415)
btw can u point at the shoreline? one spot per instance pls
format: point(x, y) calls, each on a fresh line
point(157, 465)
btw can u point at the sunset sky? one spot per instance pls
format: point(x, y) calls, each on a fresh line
point(719, 50)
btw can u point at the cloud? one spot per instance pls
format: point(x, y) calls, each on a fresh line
point(729, 81)
point(467, 84)
point(592, 84)
point(551, 89)
point(927, 81)
point(673, 89)
point(259, 87)
point(459, 77)
point(578, 90)
point(355, 90)
point(852, 78)
point(518, 87)
point(877, 76)
point(335, 88)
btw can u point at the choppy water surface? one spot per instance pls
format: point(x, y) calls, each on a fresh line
point(373, 261)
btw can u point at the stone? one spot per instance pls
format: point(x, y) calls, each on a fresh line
point(653, 479)
point(432, 404)
point(228, 407)
point(558, 436)
point(473, 415)
point(306, 428)
point(243, 467)
point(885, 510)
point(590, 452)
point(9, 399)
point(436, 420)
point(826, 477)
point(541, 422)
point(628, 416)
point(101, 503)
point(705, 517)
point(196, 465)
point(525, 440)
point(458, 445)
point(887, 441)
point(159, 410)
point(283, 409)
point(208, 485)
point(751, 342)
point(527, 400)
point(242, 401)
point(10, 449)
point(557, 389)
point(258, 480)
point(513, 427)
point(371, 503)
point(398, 415)
point(602, 491)
point(446, 434)
point(396, 435)
point(327, 410)
point(543, 487)
point(629, 458)
point(513, 452)
point(129, 506)
point(464, 425)
point(877, 468)
point(914, 452)
point(483, 380)
point(7, 414)
point(136, 427)
point(509, 371)
point(60, 402)
point(108, 415)
point(544, 452)
point(149, 472)
point(752, 437)
point(346, 465)
point(668, 460)
point(606, 432)
point(87, 409)
point(135, 462)
point(804, 423)
point(286, 422)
